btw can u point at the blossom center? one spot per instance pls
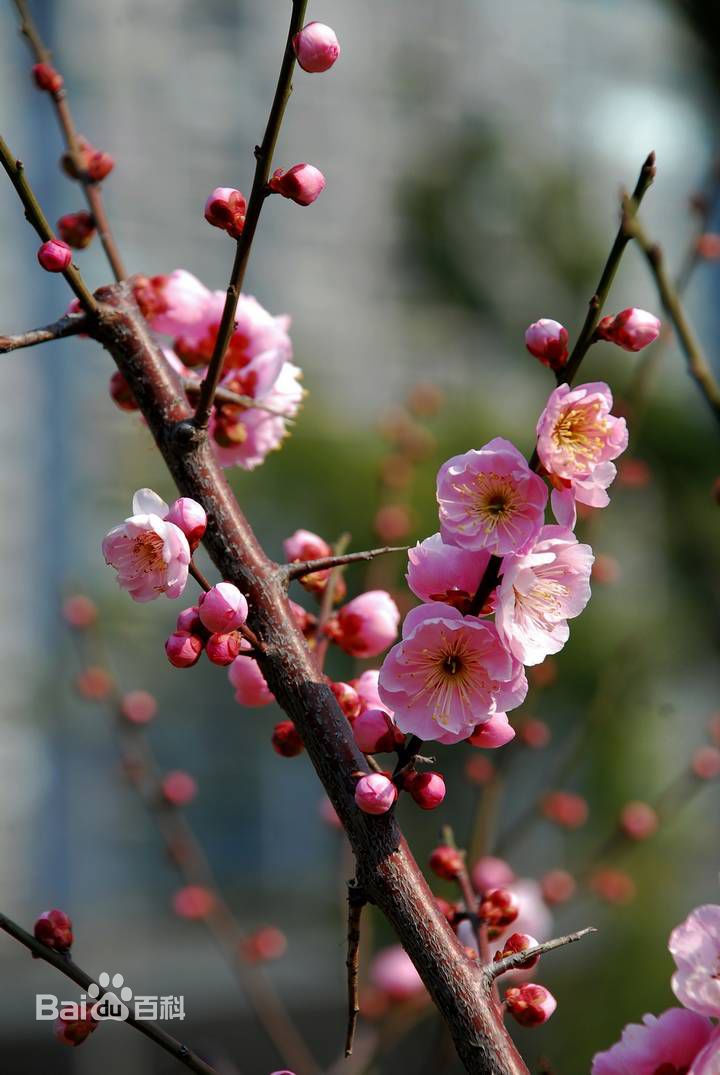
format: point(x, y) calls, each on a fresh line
point(581, 431)
point(495, 500)
point(148, 550)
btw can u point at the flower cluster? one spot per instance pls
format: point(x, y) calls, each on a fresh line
point(681, 1039)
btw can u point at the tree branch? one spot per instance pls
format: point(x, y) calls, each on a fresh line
point(356, 902)
point(71, 970)
point(512, 962)
point(263, 156)
point(70, 325)
point(93, 193)
point(300, 568)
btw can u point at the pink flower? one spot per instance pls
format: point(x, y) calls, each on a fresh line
point(375, 793)
point(365, 626)
point(54, 255)
point(302, 183)
point(631, 329)
point(150, 555)
point(669, 1042)
point(179, 788)
point(440, 572)
point(222, 608)
point(490, 499)
point(392, 971)
point(530, 1004)
point(540, 590)
point(493, 733)
point(366, 686)
point(448, 674)
point(258, 432)
point(225, 209)
point(180, 301)
point(249, 682)
point(577, 439)
point(707, 1062)
point(695, 947)
point(547, 340)
point(491, 872)
point(316, 47)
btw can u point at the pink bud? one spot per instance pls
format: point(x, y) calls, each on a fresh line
point(302, 183)
point(264, 944)
point(518, 942)
point(249, 682)
point(178, 788)
point(547, 340)
point(225, 209)
point(54, 929)
point(193, 902)
point(190, 517)
point(366, 625)
point(139, 707)
point(47, 78)
point(613, 885)
point(427, 789)
point(565, 808)
point(375, 793)
point(222, 649)
point(76, 229)
point(348, 699)
point(535, 733)
point(94, 683)
point(631, 329)
point(558, 886)
point(490, 872)
point(73, 1031)
point(638, 820)
point(499, 909)
point(304, 545)
point(189, 621)
point(79, 611)
point(183, 649)
point(479, 770)
point(446, 862)
point(121, 393)
point(286, 739)
point(706, 763)
point(54, 255)
point(530, 1004)
point(375, 732)
point(316, 47)
point(223, 608)
point(493, 733)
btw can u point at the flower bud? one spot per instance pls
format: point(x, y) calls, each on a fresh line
point(304, 545)
point(547, 341)
point(190, 517)
point(708, 246)
point(638, 820)
point(139, 707)
point(302, 183)
point(347, 698)
point(530, 1004)
point(79, 611)
point(518, 942)
point(249, 682)
point(558, 886)
point(70, 1031)
point(706, 763)
point(392, 522)
point(631, 329)
point(446, 862)
point(375, 732)
point(613, 886)
point(222, 608)
point(189, 621)
point(193, 902)
point(178, 788)
point(605, 569)
point(47, 78)
point(565, 808)
point(93, 164)
point(535, 733)
point(286, 739)
point(121, 393)
point(316, 47)
point(375, 793)
point(225, 209)
point(490, 872)
point(427, 789)
point(54, 929)
point(366, 625)
point(183, 649)
point(76, 229)
point(54, 255)
point(479, 770)
point(499, 909)
point(94, 683)
point(264, 944)
point(493, 733)
point(223, 648)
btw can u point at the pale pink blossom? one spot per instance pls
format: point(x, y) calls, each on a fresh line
point(671, 1041)
point(375, 793)
point(540, 590)
point(367, 625)
point(490, 499)
point(181, 302)
point(578, 438)
point(448, 674)
point(392, 971)
point(695, 947)
point(150, 555)
point(707, 1062)
point(366, 686)
point(440, 572)
point(631, 329)
point(260, 432)
point(249, 682)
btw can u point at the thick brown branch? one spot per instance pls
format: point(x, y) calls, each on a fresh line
point(70, 325)
point(306, 567)
point(512, 962)
point(263, 157)
point(71, 970)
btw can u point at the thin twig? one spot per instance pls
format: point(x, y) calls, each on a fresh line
point(224, 395)
point(91, 189)
point(35, 216)
point(517, 959)
point(70, 325)
point(697, 363)
point(307, 567)
point(327, 602)
point(356, 902)
point(71, 970)
point(263, 156)
point(469, 896)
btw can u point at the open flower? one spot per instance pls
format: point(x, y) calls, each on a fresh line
point(244, 437)
point(490, 499)
point(440, 572)
point(540, 591)
point(577, 439)
point(448, 674)
point(670, 1042)
point(150, 555)
point(695, 947)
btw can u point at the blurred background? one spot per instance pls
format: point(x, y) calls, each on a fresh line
point(474, 153)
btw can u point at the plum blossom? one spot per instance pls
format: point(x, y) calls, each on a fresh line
point(176, 301)
point(539, 591)
point(578, 438)
point(669, 1042)
point(695, 947)
point(366, 686)
point(490, 499)
point(245, 437)
point(448, 674)
point(150, 555)
point(392, 971)
point(365, 626)
point(249, 682)
point(440, 572)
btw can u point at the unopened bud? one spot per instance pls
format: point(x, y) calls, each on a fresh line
point(302, 183)
point(547, 341)
point(76, 229)
point(226, 209)
point(54, 255)
point(316, 47)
